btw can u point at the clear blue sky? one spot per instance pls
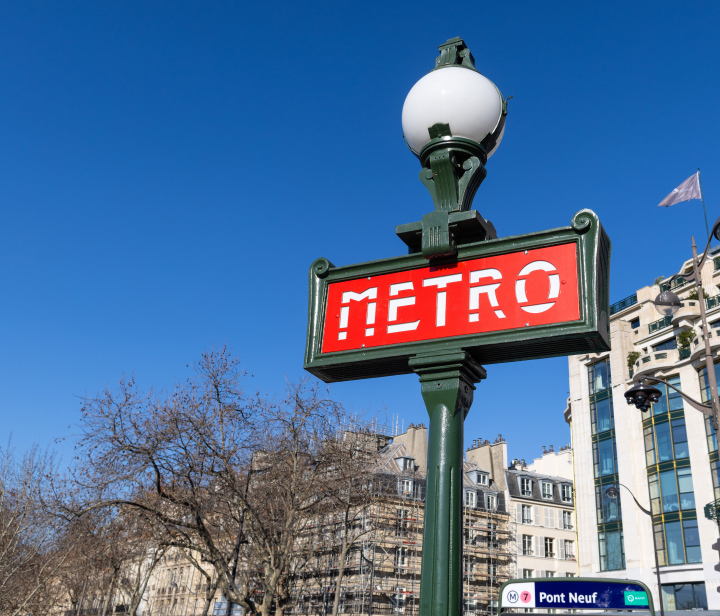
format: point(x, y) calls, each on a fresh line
point(169, 170)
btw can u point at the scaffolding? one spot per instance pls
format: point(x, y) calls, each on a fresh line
point(382, 572)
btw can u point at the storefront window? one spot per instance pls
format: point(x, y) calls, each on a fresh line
point(689, 596)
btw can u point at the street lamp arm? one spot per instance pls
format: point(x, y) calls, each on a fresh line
point(715, 232)
point(645, 511)
point(705, 409)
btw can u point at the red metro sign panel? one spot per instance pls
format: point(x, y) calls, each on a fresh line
point(516, 290)
point(520, 297)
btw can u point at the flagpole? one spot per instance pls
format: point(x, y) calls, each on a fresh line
point(703, 202)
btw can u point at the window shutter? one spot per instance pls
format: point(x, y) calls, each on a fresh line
point(549, 517)
point(536, 516)
point(561, 549)
point(519, 542)
point(539, 546)
point(519, 513)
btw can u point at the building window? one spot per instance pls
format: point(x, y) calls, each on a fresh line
point(599, 376)
point(527, 546)
point(670, 399)
point(635, 323)
point(399, 603)
point(668, 345)
point(401, 557)
point(601, 413)
point(491, 501)
point(525, 486)
point(608, 509)
point(605, 457)
point(711, 436)
point(715, 473)
point(482, 479)
point(566, 494)
point(665, 441)
point(405, 486)
point(547, 490)
point(549, 547)
point(567, 520)
point(569, 550)
point(527, 514)
point(671, 490)
point(469, 498)
point(612, 551)
point(679, 544)
point(688, 596)
point(527, 573)
point(549, 574)
point(220, 608)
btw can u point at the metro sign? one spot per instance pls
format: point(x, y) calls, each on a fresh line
point(537, 295)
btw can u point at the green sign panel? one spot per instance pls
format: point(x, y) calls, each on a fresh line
point(515, 298)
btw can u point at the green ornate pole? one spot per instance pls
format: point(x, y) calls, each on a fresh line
point(447, 382)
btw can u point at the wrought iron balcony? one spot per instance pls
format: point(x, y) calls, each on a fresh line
point(623, 303)
point(660, 324)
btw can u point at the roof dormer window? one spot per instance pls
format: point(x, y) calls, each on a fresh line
point(525, 486)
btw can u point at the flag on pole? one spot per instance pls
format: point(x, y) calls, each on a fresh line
point(689, 189)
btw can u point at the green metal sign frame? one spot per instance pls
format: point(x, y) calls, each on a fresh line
point(588, 334)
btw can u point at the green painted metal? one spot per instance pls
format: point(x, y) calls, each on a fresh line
point(447, 382)
point(589, 334)
point(453, 167)
point(452, 170)
point(454, 52)
point(712, 510)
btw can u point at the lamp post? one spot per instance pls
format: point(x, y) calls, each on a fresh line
point(613, 492)
point(668, 303)
point(453, 120)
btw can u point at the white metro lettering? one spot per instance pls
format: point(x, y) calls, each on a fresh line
point(550, 598)
point(489, 289)
point(578, 598)
point(441, 282)
point(394, 304)
point(349, 296)
point(554, 279)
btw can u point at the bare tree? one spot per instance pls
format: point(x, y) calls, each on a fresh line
point(29, 531)
point(205, 460)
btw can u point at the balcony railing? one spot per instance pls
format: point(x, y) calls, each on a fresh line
point(712, 302)
point(669, 286)
point(660, 324)
point(623, 303)
point(684, 353)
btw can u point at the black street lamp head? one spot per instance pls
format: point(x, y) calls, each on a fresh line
point(612, 492)
point(642, 395)
point(667, 303)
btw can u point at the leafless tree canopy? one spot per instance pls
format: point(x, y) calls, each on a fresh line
point(239, 480)
point(30, 533)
